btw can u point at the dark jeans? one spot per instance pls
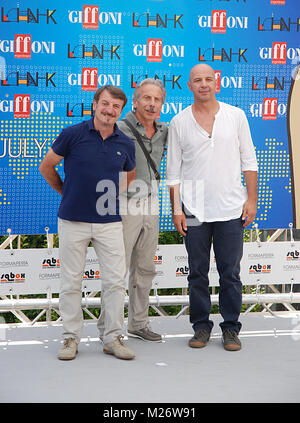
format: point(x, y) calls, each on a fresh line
point(227, 239)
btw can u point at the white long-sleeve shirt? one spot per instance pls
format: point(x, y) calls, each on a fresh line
point(209, 168)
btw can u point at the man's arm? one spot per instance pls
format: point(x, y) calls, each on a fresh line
point(250, 206)
point(174, 161)
point(179, 218)
point(47, 169)
point(126, 179)
point(249, 169)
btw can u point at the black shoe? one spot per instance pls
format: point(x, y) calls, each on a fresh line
point(200, 339)
point(231, 341)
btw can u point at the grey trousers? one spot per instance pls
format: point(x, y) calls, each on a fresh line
point(107, 239)
point(140, 231)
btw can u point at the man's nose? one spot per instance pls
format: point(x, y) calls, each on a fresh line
point(109, 108)
point(152, 102)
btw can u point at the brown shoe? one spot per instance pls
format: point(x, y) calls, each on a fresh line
point(118, 349)
point(146, 334)
point(200, 339)
point(231, 341)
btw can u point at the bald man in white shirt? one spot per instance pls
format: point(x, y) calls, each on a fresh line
point(209, 144)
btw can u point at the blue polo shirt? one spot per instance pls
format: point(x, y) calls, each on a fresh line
point(92, 169)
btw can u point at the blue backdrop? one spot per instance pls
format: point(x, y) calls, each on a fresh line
point(55, 54)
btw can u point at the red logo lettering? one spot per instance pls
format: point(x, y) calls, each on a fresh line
point(279, 53)
point(90, 17)
point(22, 46)
point(218, 21)
point(270, 108)
point(277, 1)
point(21, 105)
point(218, 81)
point(154, 50)
point(89, 79)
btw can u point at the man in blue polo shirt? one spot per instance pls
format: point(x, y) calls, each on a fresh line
point(95, 152)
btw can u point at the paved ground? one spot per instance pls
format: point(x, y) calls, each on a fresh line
point(266, 370)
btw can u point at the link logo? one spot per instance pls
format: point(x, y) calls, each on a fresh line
point(145, 20)
point(278, 24)
point(81, 51)
point(173, 80)
point(278, 2)
point(79, 110)
point(28, 80)
point(266, 83)
point(17, 15)
point(222, 55)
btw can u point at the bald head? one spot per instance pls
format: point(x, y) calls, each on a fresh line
point(201, 68)
point(202, 83)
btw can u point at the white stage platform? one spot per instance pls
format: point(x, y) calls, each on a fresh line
point(266, 370)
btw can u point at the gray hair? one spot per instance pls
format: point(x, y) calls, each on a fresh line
point(153, 81)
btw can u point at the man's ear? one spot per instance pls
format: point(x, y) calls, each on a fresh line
point(134, 103)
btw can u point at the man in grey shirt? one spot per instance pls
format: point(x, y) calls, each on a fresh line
point(139, 205)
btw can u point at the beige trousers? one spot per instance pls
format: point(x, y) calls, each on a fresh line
point(107, 239)
point(140, 230)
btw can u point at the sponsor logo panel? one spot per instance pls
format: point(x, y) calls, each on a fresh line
point(12, 277)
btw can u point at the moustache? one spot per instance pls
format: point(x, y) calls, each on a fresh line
point(150, 109)
point(107, 114)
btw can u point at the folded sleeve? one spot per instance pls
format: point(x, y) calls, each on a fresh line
point(247, 151)
point(61, 145)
